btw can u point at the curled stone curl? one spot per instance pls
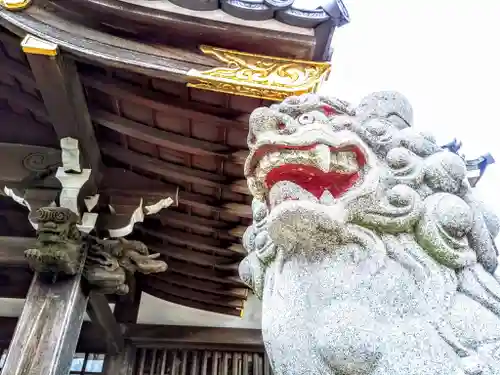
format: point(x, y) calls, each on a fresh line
point(405, 167)
point(446, 172)
point(261, 249)
point(397, 211)
point(444, 237)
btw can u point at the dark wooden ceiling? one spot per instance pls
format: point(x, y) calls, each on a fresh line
point(156, 137)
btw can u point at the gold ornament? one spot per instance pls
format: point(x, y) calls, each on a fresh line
point(259, 76)
point(35, 46)
point(15, 4)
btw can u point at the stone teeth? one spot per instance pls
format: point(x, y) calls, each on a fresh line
point(322, 157)
point(344, 161)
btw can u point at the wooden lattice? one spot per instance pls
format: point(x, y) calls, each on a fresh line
point(201, 362)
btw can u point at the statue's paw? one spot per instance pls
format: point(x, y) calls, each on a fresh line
point(61, 260)
point(34, 258)
point(34, 254)
point(300, 221)
point(473, 365)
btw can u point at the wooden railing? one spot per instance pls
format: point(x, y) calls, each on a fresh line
point(200, 362)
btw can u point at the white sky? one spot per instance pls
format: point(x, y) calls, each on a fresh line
point(444, 55)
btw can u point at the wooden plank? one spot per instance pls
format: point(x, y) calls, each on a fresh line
point(24, 130)
point(202, 243)
point(190, 256)
point(23, 100)
point(138, 185)
point(155, 336)
point(186, 300)
point(101, 315)
point(206, 114)
point(201, 285)
point(159, 137)
point(57, 79)
point(46, 335)
point(202, 273)
point(162, 168)
point(12, 250)
point(200, 297)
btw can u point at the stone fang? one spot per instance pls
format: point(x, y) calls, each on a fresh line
point(322, 157)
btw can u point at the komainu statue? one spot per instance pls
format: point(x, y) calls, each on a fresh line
point(58, 248)
point(368, 249)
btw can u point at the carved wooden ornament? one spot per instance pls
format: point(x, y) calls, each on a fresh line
point(259, 76)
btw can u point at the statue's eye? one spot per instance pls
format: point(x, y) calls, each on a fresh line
point(306, 119)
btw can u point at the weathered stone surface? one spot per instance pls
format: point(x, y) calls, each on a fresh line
point(368, 249)
point(58, 248)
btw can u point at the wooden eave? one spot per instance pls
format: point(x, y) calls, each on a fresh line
point(194, 143)
point(98, 47)
point(192, 28)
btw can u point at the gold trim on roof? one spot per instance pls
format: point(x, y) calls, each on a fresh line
point(259, 76)
point(36, 46)
point(15, 4)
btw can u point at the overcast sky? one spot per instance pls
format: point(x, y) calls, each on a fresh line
point(444, 55)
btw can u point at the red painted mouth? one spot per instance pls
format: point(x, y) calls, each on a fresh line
point(312, 179)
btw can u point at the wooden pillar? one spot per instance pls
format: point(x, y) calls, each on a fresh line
point(47, 332)
point(126, 311)
point(57, 79)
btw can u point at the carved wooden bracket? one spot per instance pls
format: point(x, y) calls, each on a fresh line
point(64, 222)
point(259, 76)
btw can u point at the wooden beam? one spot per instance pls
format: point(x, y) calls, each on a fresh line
point(161, 336)
point(57, 79)
point(157, 336)
point(89, 340)
point(126, 311)
point(101, 315)
point(44, 340)
point(12, 250)
point(122, 363)
point(127, 306)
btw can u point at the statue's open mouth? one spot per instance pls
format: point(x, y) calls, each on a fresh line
point(316, 167)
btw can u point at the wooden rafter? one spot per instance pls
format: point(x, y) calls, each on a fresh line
point(59, 83)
